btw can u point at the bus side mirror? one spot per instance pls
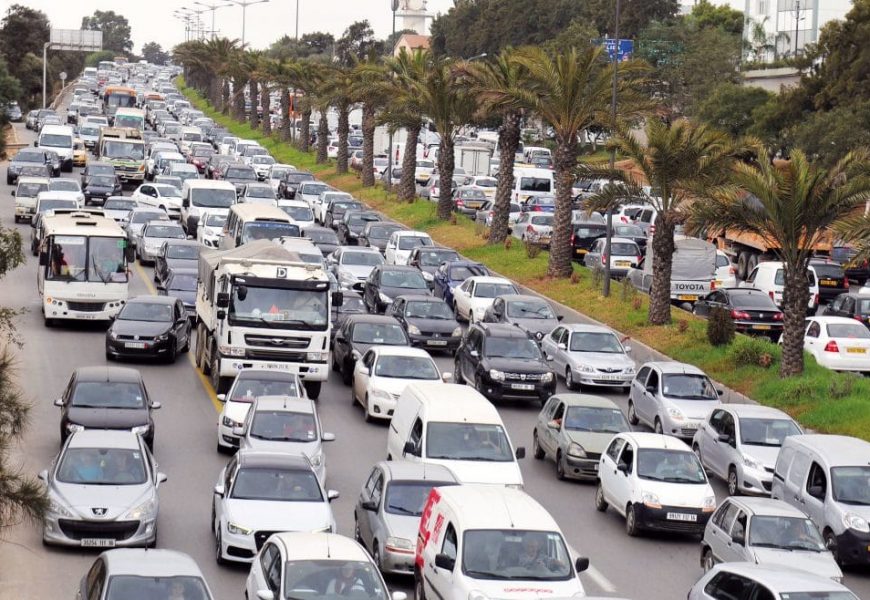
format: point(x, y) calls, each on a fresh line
point(43, 259)
point(337, 299)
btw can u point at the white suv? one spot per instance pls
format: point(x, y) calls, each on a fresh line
point(769, 277)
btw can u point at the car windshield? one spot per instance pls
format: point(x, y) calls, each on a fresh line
point(102, 181)
point(339, 207)
point(754, 301)
point(213, 198)
point(89, 131)
point(596, 419)
point(153, 312)
point(215, 221)
point(247, 389)
point(848, 330)
point(766, 432)
point(171, 232)
point(405, 279)
point(380, 232)
point(107, 394)
point(513, 554)
point(410, 242)
point(64, 185)
point(547, 221)
point(283, 426)
point(367, 259)
point(511, 347)
point(634, 231)
point(352, 304)
point(324, 236)
point(102, 466)
point(409, 497)
point(126, 205)
point(182, 283)
point(828, 271)
point(623, 249)
point(268, 230)
point(30, 190)
point(429, 309)
point(491, 290)
point(463, 272)
point(241, 173)
point(433, 258)
point(332, 579)
point(54, 140)
point(529, 309)
point(672, 466)
point(267, 307)
point(31, 157)
point(142, 587)
point(276, 484)
point(183, 252)
point(485, 182)
point(167, 190)
point(586, 341)
point(851, 485)
point(359, 220)
point(791, 533)
point(260, 191)
point(406, 367)
point(467, 441)
point(146, 216)
point(313, 189)
point(535, 184)
point(688, 386)
point(379, 333)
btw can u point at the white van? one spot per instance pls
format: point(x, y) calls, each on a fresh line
point(402, 243)
point(455, 426)
point(530, 182)
point(249, 222)
point(205, 195)
point(60, 139)
point(769, 277)
point(827, 477)
point(25, 193)
point(188, 135)
point(477, 542)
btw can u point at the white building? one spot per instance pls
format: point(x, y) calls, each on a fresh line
point(412, 15)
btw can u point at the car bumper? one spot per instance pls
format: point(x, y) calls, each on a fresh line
point(225, 437)
point(603, 379)
point(25, 212)
point(313, 371)
point(656, 519)
point(129, 348)
point(853, 547)
point(581, 468)
point(684, 429)
point(397, 561)
point(98, 534)
point(755, 481)
point(837, 362)
point(512, 389)
point(381, 407)
point(239, 547)
point(432, 342)
point(59, 309)
point(758, 328)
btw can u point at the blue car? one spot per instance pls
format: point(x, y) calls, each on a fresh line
point(451, 274)
point(545, 204)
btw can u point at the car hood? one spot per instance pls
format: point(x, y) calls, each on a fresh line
point(442, 326)
point(141, 328)
point(379, 243)
point(358, 271)
point(188, 297)
point(821, 563)
point(326, 249)
point(265, 515)
point(402, 526)
point(296, 448)
point(472, 471)
point(182, 263)
point(602, 360)
point(394, 385)
point(590, 441)
point(117, 499)
point(767, 455)
point(108, 418)
point(392, 292)
point(694, 409)
point(689, 495)
point(520, 365)
point(237, 411)
point(542, 326)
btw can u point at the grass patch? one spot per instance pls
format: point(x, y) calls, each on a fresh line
point(820, 399)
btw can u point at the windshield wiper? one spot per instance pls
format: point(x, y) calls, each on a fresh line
point(487, 574)
point(403, 510)
point(98, 270)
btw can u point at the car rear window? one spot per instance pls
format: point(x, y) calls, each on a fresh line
point(827, 271)
point(756, 300)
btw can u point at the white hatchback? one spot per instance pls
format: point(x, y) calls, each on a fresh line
point(474, 295)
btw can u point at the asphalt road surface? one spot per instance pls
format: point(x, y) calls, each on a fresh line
point(652, 567)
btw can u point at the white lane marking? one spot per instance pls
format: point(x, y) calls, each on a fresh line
point(597, 577)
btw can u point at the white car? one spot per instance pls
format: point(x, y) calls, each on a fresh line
point(474, 295)
point(276, 174)
point(249, 385)
point(305, 566)
point(160, 195)
point(261, 164)
point(258, 493)
point(766, 581)
point(402, 243)
point(656, 482)
point(485, 183)
point(310, 191)
point(326, 198)
point(298, 211)
point(838, 343)
point(726, 273)
point(210, 229)
point(382, 374)
point(769, 277)
point(57, 184)
point(589, 355)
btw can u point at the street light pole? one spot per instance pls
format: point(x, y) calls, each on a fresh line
point(605, 291)
point(213, 8)
point(297, 19)
point(245, 4)
point(797, 22)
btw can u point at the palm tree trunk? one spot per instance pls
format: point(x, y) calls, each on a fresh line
point(343, 128)
point(266, 99)
point(322, 137)
point(559, 264)
point(446, 163)
point(286, 117)
point(407, 189)
point(368, 147)
point(663, 258)
point(225, 97)
point(508, 142)
point(239, 100)
point(214, 91)
point(795, 297)
point(305, 127)
point(254, 92)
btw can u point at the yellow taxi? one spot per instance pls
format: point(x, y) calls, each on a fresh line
point(80, 153)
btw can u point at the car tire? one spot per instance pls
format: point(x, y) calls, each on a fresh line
point(600, 502)
point(172, 355)
point(733, 482)
point(560, 467)
point(537, 451)
point(697, 450)
point(218, 555)
point(368, 414)
point(8, 180)
point(632, 414)
point(346, 374)
point(631, 526)
point(17, 219)
point(657, 426)
point(376, 555)
point(419, 594)
point(186, 347)
point(335, 366)
point(312, 389)
point(569, 379)
point(707, 560)
point(356, 532)
point(215, 372)
point(831, 544)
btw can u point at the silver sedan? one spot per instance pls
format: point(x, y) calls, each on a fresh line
point(102, 490)
point(589, 355)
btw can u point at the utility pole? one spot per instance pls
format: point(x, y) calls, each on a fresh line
point(297, 20)
point(605, 290)
point(245, 4)
point(797, 22)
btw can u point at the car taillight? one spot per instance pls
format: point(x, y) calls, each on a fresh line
point(712, 285)
point(603, 259)
point(770, 294)
point(739, 314)
point(845, 283)
point(624, 219)
point(858, 318)
point(572, 239)
point(732, 271)
point(778, 317)
point(832, 346)
point(816, 299)
point(530, 229)
point(537, 208)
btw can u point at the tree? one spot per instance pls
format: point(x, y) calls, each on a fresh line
point(23, 33)
point(115, 28)
point(368, 89)
point(154, 54)
point(316, 45)
point(706, 16)
point(730, 107)
point(760, 44)
point(634, 16)
point(357, 41)
point(793, 202)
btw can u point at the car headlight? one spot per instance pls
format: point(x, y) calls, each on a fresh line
point(856, 522)
point(228, 422)
point(162, 337)
point(585, 369)
point(57, 507)
point(384, 298)
point(750, 462)
point(428, 276)
point(547, 377)
point(231, 350)
point(237, 529)
point(413, 330)
point(400, 543)
point(629, 370)
point(140, 429)
point(143, 510)
point(650, 500)
point(73, 427)
point(456, 332)
point(382, 394)
point(576, 450)
point(675, 414)
point(709, 504)
point(316, 460)
point(346, 277)
point(496, 375)
point(477, 595)
point(113, 335)
point(317, 356)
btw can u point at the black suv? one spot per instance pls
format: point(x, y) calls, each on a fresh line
point(360, 332)
point(502, 361)
point(583, 236)
point(831, 277)
point(290, 183)
point(352, 224)
point(385, 282)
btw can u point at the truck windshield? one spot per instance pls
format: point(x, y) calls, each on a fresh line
point(55, 140)
point(129, 121)
point(268, 307)
point(213, 198)
point(124, 150)
point(268, 230)
point(80, 258)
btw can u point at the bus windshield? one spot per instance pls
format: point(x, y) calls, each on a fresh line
point(81, 258)
point(122, 149)
point(121, 100)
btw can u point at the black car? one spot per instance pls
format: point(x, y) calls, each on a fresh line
point(468, 200)
point(99, 187)
point(428, 321)
point(386, 282)
point(352, 304)
point(181, 283)
point(240, 176)
point(752, 311)
point(852, 305)
point(106, 398)
point(429, 258)
point(149, 326)
point(502, 361)
point(175, 254)
point(857, 271)
point(322, 237)
point(583, 236)
point(97, 168)
point(336, 209)
point(359, 333)
point(376, 233)
point(831, 277)
point(352, 224)
point(633, 233)
point(25, 156)
point(290, 183)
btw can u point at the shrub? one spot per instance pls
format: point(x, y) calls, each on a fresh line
point(575, 277)
point(597, 278)
point(627, 291)
point(841, 386)
point(682, 325)
point(508, 242)
point(749, 351)
point(533, 249)
point(720, 328)
point(637, 303)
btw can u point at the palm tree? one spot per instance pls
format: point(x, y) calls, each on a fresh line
point(759, 43)
point(571, 91)
point(795, 203)
point(338, 88)
point(305, 80)
point(268, 74)
point(251, 61)
point(221, 52)
point(285, 74)
point(368, 89)
point(497, 84)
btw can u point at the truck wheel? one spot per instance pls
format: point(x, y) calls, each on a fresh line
point(742, 262)
point(313, 389)
point(200, 349)
point(751, 263)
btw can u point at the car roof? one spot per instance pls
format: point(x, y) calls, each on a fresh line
point(367, 318)
point(320, 546)
point(750, 411)
point(454, 403)
point(782, 579)
point(644, 439)
point(154, 563)
point(104, 438)
point(829, 320)
point(586, 328)
point(488, 278)
point(265, 458)
point(672, 366)
point(494, 507)
point(416, 471)
point(502, 330)
point(836, 449)
point(766, 506)
point(31, 179)
point(400, 351)
point(108, 374)
point(521, 298)
point(586, 400)
point(151, 300)
point(288, 403)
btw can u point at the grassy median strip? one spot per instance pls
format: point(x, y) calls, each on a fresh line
point(821, 399)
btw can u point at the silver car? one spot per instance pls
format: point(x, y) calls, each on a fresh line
point(387, 514)
point(671, 397)
point(352, 266)
point(766, 581)
point(573, 430)
point(150, 241)
point(740, 444)
point(138, 218)
point(767, 532)
point(136, 573)
point(533, 227)
point(624, 255)
point(102, 491)
point(533, 315)
point(589, 355)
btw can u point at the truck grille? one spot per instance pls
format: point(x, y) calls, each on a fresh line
point(288, 343)
point(275, 355)
point(86, 306)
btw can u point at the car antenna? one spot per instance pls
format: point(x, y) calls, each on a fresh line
point(328, 551)
point(510, 516)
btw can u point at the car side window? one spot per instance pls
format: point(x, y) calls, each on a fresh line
point(719, 515)
point(95, 579)
point(228, 474)
point(752, 276)
point(416, 437)
point(378, 489)
point(273, 574)
point(728, 517)
point(738, 530)
point(627, 456)
point(652, 381)
point(614, 449)
point(642, 375)
point(798, 471)
point(759, 592)
point(370, 482)
point(727, 424)
point(557, 334)
point(728, 586)
point(817, 482)
point(837, 304)
point(559, 413)
point(814, 329)
point(716, 420)
point(449, 546)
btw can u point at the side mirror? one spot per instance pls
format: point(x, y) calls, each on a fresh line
point(739, 538)
point(43, 259)
point(474, 353)
point(627, 348)
point(327, 437)
point(560, 317)
point(562, 346)
point(554, 424)
point(446, 377)
point(265, 595)
point(364, 371)
point(219, 490)
point(622, 467)
point(652, 389)
point(222, 397)
point(410, 448)
point(161, 478)
point(156, 405)
point(520, 453)
point(442, 561)
point(43, 475)
point(59, 402)
point(369, 505)
point(724, 438)
point(721, 392)
point(238, 431)
point(332, 495)
point(816, 491)
point(337, 299)
point(581, 564)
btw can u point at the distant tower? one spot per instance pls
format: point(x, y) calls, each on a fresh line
point(412, 15)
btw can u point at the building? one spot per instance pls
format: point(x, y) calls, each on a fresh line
point(410, 42)
point(412, 16)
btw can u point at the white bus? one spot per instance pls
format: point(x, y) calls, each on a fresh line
point(82, 267)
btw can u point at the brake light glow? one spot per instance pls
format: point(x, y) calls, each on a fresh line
point(770, 294)
point(739, 314)
point(778, 316)
point(846, 283)
point(832, 346)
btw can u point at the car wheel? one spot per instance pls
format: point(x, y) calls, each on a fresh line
point(215, 372)
point(219, 553)
point(707, 560)
point(733, 483)
point(658, 426)
point(368, 411)
point(346, 374)
point(537, 451)
point(569, 379)
point(631, 527)
point(376, 555)
point(632, 414)
point(600, 502)
point(478, 384)
point(831, 544)
point(173, 352)
point(335, 366)
point(356, 532)
point(186, 347)
point(560, 466)
point(697, 450)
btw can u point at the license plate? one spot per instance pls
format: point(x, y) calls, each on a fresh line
point(437, 342)
point(682, 517)
point(140, 345)
point(276, 366)
point(609, 377)
point(98, 543)
point(687, 297)
point(87, 317)
point(580, 251)
point(623, 263)
point(856, 350)
point(828, 282)
point(522, 386)
point(764, 327)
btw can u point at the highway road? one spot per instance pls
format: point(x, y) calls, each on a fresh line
point(652, 567)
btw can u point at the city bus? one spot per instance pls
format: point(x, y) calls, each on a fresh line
point(82, 267)
point(116, 97)
point(125, 149)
